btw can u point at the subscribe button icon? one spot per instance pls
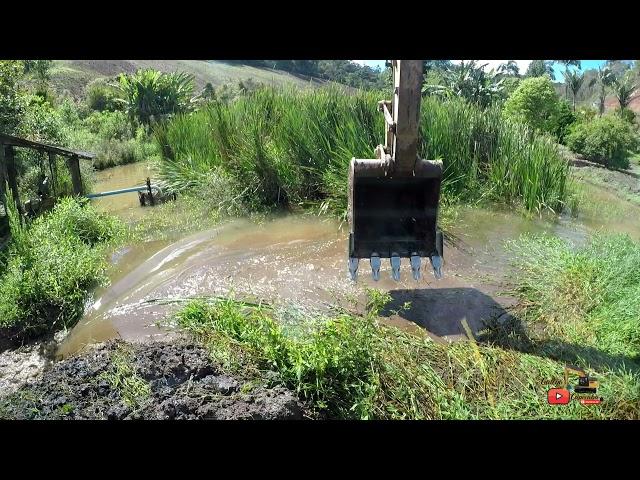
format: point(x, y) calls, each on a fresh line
point(558, 396)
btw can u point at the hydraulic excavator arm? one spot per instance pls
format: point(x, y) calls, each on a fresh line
point(393, 199)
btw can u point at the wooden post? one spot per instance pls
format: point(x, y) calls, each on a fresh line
point(3, 175)
point(52, 169)
point(73, 163)
point(151, 200)
point(11, 174)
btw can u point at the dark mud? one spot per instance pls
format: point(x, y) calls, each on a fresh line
point(177, 381)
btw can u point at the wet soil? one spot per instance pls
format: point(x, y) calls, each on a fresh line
point(182, 381)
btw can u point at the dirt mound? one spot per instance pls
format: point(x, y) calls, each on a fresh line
point(118, 380)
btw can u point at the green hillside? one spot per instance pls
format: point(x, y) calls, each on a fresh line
point(74, 75)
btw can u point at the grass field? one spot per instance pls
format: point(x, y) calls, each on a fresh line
point(74, 75)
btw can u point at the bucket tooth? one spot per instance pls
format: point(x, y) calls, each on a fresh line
point(436, 263)
point(395, 266)
point(415, 266)
point(353, 268)
point(375, 266)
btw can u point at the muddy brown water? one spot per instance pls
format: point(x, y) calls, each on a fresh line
point(126, 205)
point(302, 260)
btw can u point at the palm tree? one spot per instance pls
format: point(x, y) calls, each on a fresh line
point(604, 78)
point(567, 64)
point(573, 81)
point(623, 88)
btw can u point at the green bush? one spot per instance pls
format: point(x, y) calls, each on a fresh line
point(608, 140)
point(534, 103)
point(109, 136)
point(108, 125)
point(565, 117)
point(42, 122)
point(628, 116)
point(52, 264)
point(101, 96)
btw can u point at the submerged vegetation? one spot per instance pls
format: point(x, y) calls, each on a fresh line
point(292, 149)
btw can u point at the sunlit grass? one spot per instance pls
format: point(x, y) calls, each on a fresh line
point(289, 148)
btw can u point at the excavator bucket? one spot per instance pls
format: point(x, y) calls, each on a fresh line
point(393, 200)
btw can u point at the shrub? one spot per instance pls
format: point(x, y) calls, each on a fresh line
point(52, 264)
point(109, 136)
point(586, 114)
point(535, 103)
point(628, 116)
point(108, 125)
point(41, 122)
point(608, 140)
point(564, 118)
point(102, 97)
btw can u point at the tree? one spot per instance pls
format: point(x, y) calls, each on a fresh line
point(208, 92)
point(11, 101)
point(623, 88)
point(603, 79)
point(442, 65)
point(539, 68)
point(469, 81)
point(534, 103)
point(567, 64)
point(573, 80)
point(618, 67)
point(509, 68)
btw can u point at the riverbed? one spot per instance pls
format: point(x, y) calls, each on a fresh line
point(301, 260)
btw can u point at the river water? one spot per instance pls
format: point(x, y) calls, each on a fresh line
point(302, 260)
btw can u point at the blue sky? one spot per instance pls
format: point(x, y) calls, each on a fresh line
point(558, 68)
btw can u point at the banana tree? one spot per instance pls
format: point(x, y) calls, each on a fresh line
point(469, 81)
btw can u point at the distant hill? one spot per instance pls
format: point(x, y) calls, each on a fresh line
point(74, 75)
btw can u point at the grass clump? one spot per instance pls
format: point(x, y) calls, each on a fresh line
point(350, 366)
point(587, 296)
point(50, 265)
point(292, 149)
point(124, 379)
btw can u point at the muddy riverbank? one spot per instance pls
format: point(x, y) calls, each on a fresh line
point(299, 261)
point(162, 381)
